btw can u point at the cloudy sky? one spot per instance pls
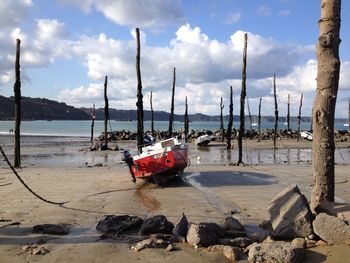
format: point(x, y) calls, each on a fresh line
point(69, 46)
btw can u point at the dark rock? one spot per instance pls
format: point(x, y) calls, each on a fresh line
point(200, 235)
point(290, 214)
point(275, 252)
point(52, 229)
point(231, 223)
point(215, 228)
point(331, 229)
point(241, 242)
point(117, 224)
point(156, 224)
point(181, 226)
point(256, 233)
point(232, 253)
point(235, 233)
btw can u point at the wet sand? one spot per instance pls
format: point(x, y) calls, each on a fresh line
point(210, 189)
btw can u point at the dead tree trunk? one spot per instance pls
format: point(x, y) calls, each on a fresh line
point(324, 105)
point(171, 116)
point(222, 130)
point(288, 113)
point(349, 116)
point(230, 122)
point(299, 116)
point(243, 94)
point(276, 112)
point(105, 146)
point(93, 117)
point(18, 113)
point(259, 121)
point(186, 122)
point(249, 114)
point(152, 116)
point(139, 103)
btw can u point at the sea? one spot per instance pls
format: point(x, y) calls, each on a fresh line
point(83, 128)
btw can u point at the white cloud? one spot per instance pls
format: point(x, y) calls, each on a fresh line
point(13, 12)
point(232, 18)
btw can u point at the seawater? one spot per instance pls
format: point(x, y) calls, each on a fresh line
point(83, 128)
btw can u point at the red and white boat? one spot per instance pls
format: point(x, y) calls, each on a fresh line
point(159, 161)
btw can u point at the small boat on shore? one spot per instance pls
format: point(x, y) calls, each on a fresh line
point(306, 135)
point(204, 140)
point(159, 161)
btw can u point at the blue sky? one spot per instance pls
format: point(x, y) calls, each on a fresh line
point(68, 46)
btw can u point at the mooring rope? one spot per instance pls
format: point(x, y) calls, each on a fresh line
point(24, 184)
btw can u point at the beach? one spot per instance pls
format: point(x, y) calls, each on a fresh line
point(94, 184)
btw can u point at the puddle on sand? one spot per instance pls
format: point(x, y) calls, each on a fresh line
point(146, 199)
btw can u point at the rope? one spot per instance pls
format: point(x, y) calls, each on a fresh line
point(24, 184)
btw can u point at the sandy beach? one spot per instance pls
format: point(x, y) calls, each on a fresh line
point(94, 184)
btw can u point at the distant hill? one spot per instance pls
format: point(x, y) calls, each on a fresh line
point(44, 109)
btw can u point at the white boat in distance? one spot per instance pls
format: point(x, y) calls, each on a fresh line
point(346, 124)
point(306, 135)
point(204, 140)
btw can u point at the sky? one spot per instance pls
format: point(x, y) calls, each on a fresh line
point(69, 46)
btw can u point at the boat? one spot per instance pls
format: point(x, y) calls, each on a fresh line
point(306, 135)
point(204, 140)
point(159, 161)
point(254, 124)
point(346, 124)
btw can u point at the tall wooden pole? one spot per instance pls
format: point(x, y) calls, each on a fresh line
point(93, 117)
point(349, 116)
point(276, 111)
point(288, 113)
point(106, 113)
point(222, 131)
point(230, 122)
point(259, 121)
point(249, 114)
point(152, 116)
point(299, 116)
point(243, 94)
point(328, 68)
point(139, 103)
point(171, 116)
point(18, 112)
point(186, 121)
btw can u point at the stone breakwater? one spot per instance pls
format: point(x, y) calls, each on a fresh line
point(266, 134)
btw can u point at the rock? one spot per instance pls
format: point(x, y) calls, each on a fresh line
point(235, 233)
point(256, 233)
point(310, 243)
point(117, 224)
point(200, 235)
point(181, 226)
point(156, 224)
point(40, 251)
point(335, 209)
point(231, 223)
point(232, 253)
point(331, 229)
point(241, 242)
point(215, 228)
point(52, 229)
point(170, 247)
point(177, 239)
point(150, 243)
point(299, 242)
point(275, 252)
point(290, 214)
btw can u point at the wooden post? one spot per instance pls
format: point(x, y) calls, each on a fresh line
point(93, 117)
point(299, 116)
point(152, 116)
point(106, 114)
point(139, 104)
point(288, 113)
point(230, 122)
point(259, 121)
point(349, 116)
point(250, 116)
point(243, 94)
point(171, 116)
point(18, 112)
point(328, 67)
point(222, 131)
point(276, 111)
point(186, 122)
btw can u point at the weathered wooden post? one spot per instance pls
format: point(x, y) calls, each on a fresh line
point(259, 121)
point(139, 103)
point(288, 113)
point(299, 116)
point(93, 117)
point(18, 112)
point(106, 115)
point(171, 116)
point(249, 114)
point(328, 68)
point(222, 130)
point(186, 121)
point(152, 116)
point(230, 121)
point(276, 111)
point(349, 115)
point(243, 94)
